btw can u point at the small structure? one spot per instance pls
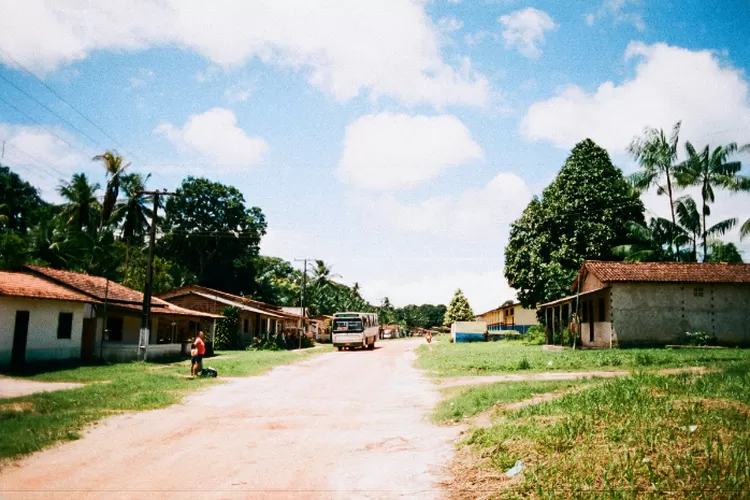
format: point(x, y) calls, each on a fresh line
point(468, 331)
point(653, 303)
point(509, 316)
point(39, 320)
point(256, 319)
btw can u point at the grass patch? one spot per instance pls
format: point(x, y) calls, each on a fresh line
point(31, 423)
point(447, 360)
point(463, 402)
point(644, 435)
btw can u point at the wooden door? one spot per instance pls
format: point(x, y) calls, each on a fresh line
point(88, 339)
point(20, 337)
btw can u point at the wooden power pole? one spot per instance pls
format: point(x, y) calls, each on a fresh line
point(145, 334)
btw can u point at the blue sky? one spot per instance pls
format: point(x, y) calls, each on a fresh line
point(396, 140)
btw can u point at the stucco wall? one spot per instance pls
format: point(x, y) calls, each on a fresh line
point(602, 322)
point(42, 343)
point(525, 316)
point(661, 313)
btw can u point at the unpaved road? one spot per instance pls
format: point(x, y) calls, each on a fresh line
point(341, 425)
point(14, 387)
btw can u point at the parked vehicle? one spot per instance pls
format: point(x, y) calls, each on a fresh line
point(355, 329)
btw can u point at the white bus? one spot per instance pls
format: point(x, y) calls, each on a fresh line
point(355, 329)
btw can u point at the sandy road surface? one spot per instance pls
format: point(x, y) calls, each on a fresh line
point(341, 425)
point(14, 387)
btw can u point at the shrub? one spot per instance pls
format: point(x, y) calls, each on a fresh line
point(261, 344)
point(535, 335)
point(524, 364)
point(226, 330)
point(700, 338)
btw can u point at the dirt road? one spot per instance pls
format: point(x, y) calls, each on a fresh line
point(341, 425)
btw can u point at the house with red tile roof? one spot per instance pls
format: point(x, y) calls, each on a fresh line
point(39, 320)
point(653, 303)
point(48, 314)
point(256, 318)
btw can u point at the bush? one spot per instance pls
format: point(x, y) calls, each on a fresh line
point(226, 330)
point(534, 335)
point(261, 344)
point(700, 338)
point(524, 364)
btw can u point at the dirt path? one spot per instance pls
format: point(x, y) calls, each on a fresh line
point(15, 387)
point(342, 425)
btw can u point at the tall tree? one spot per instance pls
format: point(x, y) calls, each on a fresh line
point(723, 252)
point(20, 200)
point(691, 222)
point(114, 166)
point(276, 281)
point(651, 243)
point(133, 213)
point(581, 215)
point(710, 170)
point(458, 309)
point(82, 206)
point(657, 155)
point(210, 232)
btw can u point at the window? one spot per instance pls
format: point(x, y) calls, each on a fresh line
point(64, 325)
point(246, 325)
point(698, 292)
point(602, 312)
point(114, 329)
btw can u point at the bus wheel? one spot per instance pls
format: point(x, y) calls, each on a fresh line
point(340, 348)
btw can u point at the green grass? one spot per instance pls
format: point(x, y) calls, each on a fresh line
point(486, 358)
point(31, 423)
point(630, 435)
point(465, 402)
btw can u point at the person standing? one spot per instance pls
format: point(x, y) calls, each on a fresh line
point(198, 351)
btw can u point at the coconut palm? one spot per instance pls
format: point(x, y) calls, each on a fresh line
point(115, 168)
point(133, 212)
point(82, 207)
point(692, 222)
point(648, 242)
point(656, 155)
point(710, 170)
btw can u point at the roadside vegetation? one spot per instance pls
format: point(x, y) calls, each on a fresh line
point(444, 359)
point(31, 423)
point(644, 435)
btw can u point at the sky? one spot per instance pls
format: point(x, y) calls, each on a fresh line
point(397, 140)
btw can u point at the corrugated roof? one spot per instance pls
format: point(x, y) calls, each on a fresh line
point(668, 272)
point(19, 284)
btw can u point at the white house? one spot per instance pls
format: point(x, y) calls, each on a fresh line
point(39, 320)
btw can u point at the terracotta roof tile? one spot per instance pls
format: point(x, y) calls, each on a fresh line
point(669, 272)
point(227, 296)
point(19, 284)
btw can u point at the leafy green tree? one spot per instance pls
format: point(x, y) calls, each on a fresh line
point(227, 330)
point(710, 170)
point(650, 243)
point(581, 215)
point(82, 207)
point(209, 231)
point(276, 281)
point(458, 309)
point(13, 250)
point(723, 252)
point(114, 166)
point(134, 273)
point(386, 312)
point(657, 156)
point(691, 222)
point(20, 201)
point(133, 212)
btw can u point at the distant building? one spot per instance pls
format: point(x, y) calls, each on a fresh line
point(509, 317)
point(654, 303)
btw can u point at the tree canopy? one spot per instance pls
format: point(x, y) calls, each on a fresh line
point(458, 309)
point(581, 215)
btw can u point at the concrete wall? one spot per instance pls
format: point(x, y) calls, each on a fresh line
point(602, 323)
point(654, 313)
point(42, 343)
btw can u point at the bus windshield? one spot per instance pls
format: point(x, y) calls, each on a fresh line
point(347, 325)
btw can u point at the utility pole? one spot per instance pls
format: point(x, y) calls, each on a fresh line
point(302, 297)
point(145, 334)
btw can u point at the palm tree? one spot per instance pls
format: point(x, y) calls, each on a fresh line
point(82, 206)
point(710, 170)
point(115, 166)
point(134, 211)
point(692, 223)
point(656, 155)
point(647, 242)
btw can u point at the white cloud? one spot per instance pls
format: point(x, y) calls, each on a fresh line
point(524, 30)
point(390, 47)
point(621, 11)
point(43, 158)
point(449, 24)
point(238, 93)
point(216, 136)
point(670, 84)
point(480, 213)
point(398, 150)
point(142, 79)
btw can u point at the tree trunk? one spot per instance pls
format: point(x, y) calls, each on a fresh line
point(674, 221)
point(705, 243)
